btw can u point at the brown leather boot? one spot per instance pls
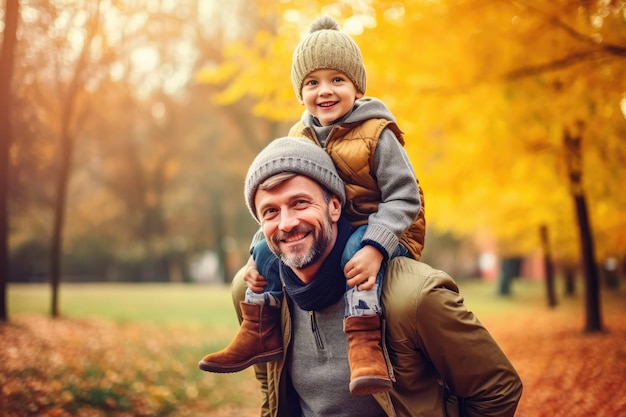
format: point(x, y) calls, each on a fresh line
point(368, 368)
point(259, 340)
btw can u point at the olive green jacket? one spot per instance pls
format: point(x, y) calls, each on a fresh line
point(444, 360)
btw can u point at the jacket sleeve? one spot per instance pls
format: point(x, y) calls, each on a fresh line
point(466, 356)
point(443, 357)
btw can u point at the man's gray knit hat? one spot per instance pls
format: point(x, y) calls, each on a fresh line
point(325, 46)
point(290, 154)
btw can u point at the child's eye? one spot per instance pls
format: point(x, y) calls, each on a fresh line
point(310, 82)
point(338, 79)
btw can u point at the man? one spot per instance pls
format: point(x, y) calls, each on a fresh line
point(443, 361)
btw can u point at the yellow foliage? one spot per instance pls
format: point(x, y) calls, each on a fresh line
point(484, 92)
point(216, 75)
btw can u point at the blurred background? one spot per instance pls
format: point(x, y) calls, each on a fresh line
point(133, 122)
point(126, 130)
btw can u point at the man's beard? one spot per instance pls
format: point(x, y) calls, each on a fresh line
point(301, 259)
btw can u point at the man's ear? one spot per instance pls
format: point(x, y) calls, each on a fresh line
point(334, 208)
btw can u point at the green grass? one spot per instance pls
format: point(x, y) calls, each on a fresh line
point(206, 305)
point(482, 297)
point(207, 309)
point(197, 303)
point(210, 306)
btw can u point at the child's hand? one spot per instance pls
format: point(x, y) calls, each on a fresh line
point(362, 269)
point(254, 280)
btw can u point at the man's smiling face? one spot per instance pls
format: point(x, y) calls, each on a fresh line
point(298, 223)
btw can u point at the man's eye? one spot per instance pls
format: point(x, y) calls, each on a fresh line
point(301, 202)
point(269, 213)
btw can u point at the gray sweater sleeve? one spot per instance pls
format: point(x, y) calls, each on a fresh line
point(400, 199)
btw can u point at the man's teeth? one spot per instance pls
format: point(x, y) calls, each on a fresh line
point(295, 237)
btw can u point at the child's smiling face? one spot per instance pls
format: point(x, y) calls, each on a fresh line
point(328, 94)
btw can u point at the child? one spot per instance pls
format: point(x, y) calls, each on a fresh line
point(383, 201)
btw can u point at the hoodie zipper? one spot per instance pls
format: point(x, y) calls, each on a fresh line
point(315, 330)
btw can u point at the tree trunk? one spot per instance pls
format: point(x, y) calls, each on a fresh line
point(548, 266)
point(573, 152)
point(593, 319)
point(509, 270)
point(56, 247)
point(569, 276)
point(7, 57)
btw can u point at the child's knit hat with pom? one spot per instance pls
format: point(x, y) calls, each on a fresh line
point(325, 46)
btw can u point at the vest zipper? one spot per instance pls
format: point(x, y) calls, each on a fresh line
point(315, 330)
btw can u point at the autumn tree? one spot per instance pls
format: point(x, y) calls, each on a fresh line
point(155, 174)
point(172, 160)
point(69, 67)
point(484, 91)
point(11, 13)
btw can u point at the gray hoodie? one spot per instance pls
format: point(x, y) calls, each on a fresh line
point(400, 201)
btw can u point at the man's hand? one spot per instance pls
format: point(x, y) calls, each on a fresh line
point(254, 280)
point(362, 269)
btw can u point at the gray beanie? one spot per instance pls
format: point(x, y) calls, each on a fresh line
point(290, 154)
point(326, 46)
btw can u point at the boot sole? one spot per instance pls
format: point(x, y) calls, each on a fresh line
point(368, 385)
point(221, 368)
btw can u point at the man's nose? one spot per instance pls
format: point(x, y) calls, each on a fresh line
point(288, 220)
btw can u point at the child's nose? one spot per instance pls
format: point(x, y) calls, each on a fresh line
point(325, 88)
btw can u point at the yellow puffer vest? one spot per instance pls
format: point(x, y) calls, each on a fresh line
point(352, 148)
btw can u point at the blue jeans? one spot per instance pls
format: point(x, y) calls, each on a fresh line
point(360, 303)
point(267, 265)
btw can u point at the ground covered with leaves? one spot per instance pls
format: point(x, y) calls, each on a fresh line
point(92, 368)
point(72, 367)
point(566, 372)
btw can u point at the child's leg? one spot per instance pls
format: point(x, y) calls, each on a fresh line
point(267, 265)
point(352, 245)
point(368, 367)
point(369, 373)
point(360, 303)
point(259, 338)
